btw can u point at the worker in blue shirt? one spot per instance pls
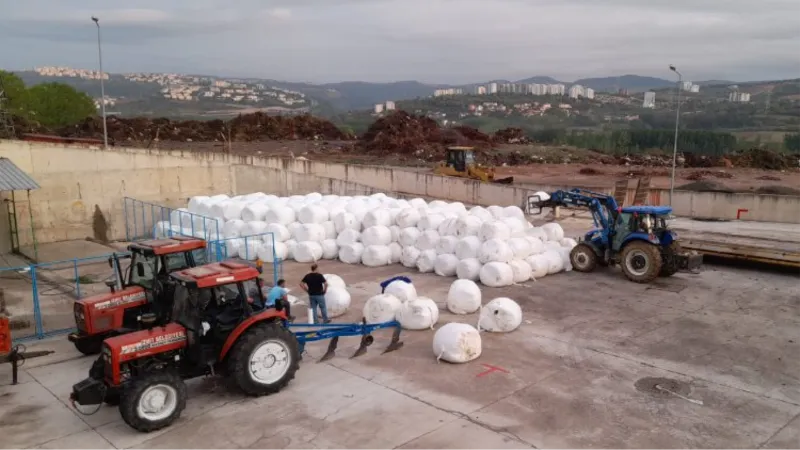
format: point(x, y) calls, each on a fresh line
point(278, 297)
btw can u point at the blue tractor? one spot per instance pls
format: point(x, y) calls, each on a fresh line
point(635, 237)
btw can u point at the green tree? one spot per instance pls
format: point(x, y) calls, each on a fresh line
point(15, 93)
point(57, 104)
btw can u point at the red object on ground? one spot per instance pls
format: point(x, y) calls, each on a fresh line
point(739, 212)
point(491, 369)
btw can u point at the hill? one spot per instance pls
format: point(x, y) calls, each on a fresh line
point(633, 83)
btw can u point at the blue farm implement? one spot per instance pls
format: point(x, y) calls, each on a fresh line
point(334, 331)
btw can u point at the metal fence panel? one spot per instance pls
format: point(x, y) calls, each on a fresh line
point(16, 286)
point(249, 248)
point(145, 220)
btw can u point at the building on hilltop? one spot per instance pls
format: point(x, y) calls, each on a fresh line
point(649, 100)
point(390, 106)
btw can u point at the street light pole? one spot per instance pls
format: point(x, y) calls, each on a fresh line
point(677, 122)
point(102, 88)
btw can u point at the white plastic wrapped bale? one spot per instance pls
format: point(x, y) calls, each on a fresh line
point(181, 218)
point(422, 313)
point(457, 343)
point(307, 252)
point(500, 315)
point(232, 228)
point(569, 243)
point(447, 245)
point(495, 250)
point(469, 269)
point(293, 227)
point(536, 244)
point(497, 274)
point(445, 265)
point(348, 236)
point(310, 232)
point(282, 215)
point(521, 247)
point(395, 253)
point(497, 211)
point(564, 252)
point(437, 205)
point(377, 218)
point(313, 197)
point(427, 240)
point(536, 232)
point(464, 297)
point(521, 269)
point(410, 256)
point(268, 252)
point(232, 247)
point(407, 217)
point(539, 265)
point(401, 290)
point(468, 247)
point(515, 225)
point(514, 211)
point(431, 222)
point(395, 231)
point(351, 253)
point(426, 261)
point(418, 203)
point(555, 261)
point(163, 229)
point(448, 227)
point(408, 236)
point(290, 246)
point(481, 213)
point(253, 229)
point(334, 281)
point(330, 229)
point(346, 220)
point(337, 300)
point(552, 245)
point(494, 230)
point(381, 308)
point(232, 210)
point(330, 249)
point(279, 233)
point(553, 231)
point(376, 256)
point(377, 235)
point(468, 226)
point(195, 202)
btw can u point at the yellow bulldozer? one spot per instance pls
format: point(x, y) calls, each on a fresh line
point(461, 163)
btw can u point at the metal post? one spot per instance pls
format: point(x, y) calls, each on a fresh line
point(37, 311)
point(33, 229)
point(77, 278)
point(125, 216)
point(677, 123)
point(102, 86)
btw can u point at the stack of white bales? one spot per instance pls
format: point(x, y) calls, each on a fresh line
point(494, 245)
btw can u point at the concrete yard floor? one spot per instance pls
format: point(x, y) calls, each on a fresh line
point(725, 339)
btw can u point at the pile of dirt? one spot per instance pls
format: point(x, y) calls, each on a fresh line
point(705, 174)
point(141, 131)
point(777, 190)
point(589, 171)
point(510, 136)
point(705, 186)
point(759, 158)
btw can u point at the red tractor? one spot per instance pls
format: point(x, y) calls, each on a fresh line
point(219, 326)
point(145, 289)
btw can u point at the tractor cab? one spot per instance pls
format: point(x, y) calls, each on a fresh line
point(156, 259)
point(644, 221)
point(460, 158)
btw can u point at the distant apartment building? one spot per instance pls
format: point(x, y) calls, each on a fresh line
point(589, 93)
point(695, 88)
point(390, 106)
point(493, 88)
point(448, 91)
point(739, 97)
point(221, 83)
point(556, 89)
point(649, 100)
point(378, 108)
point(480, 90)
point(688, 86)
point(576, 91)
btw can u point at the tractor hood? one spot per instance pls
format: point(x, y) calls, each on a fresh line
point(146, 342)
point(112, 300)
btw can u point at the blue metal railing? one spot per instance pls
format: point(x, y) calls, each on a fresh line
point(220, 249)
point(143, 219)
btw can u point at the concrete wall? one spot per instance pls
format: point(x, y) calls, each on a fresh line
point(77, 180)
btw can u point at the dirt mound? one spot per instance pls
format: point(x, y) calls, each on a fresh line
point(777, 190)
point(510, 136)
point(246, 127)
point(704, 174)
point(759, 158)
point(589, 171)
point(705, 186)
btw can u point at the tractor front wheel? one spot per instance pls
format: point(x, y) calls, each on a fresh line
point(670, 264)
point(264, 360)
point(641, 261)
point(583, 258)
point(153, 401)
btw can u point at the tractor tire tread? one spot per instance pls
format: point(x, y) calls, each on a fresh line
point(129, 399)
point(669, 266)
point(239, 361)
point(653, 255)
point(592, 258)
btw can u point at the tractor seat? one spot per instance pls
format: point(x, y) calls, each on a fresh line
point(229, 318)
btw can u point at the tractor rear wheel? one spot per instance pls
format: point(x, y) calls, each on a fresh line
point(264, 360)
point(583, 258)
point(153, 401)
point(670, 264)
point(641, 261)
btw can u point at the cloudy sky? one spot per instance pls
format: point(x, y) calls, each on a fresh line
point(444, 41)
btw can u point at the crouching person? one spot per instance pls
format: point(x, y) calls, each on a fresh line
point(278, 298)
